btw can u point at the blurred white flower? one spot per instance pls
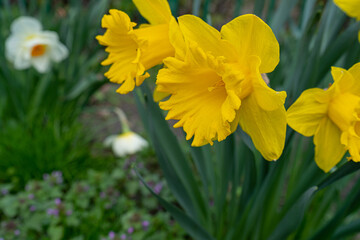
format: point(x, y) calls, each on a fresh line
point(28, 45)
point(126, 143)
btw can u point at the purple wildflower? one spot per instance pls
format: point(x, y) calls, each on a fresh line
point(46, 176)
point(111, 235)
point(54, 212)
point(4, 191)
point(69, 212)
point(17, 232)
point(130, 230)
point(31, 196)
point(57, 201)
point(58, 177)
point(158, 187)
point(32, 208)
point(102, 194)
point(145, 224)
point(123, 236)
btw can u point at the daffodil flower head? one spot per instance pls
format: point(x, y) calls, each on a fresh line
point(126, 143)
point(215, 83)
point(29, 45)
point(351, 8)
point(332, 116)
point(133, 51)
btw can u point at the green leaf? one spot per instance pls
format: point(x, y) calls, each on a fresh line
point(348, 229)
point(293, 218)
point(56, 232)
point(343, 171)
point(190, 226)
point(175, 165)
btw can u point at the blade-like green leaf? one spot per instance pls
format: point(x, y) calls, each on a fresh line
point(191, 226)
point(293, 217)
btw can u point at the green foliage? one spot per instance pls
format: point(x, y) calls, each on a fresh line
point(102, 204)
point(39, 128)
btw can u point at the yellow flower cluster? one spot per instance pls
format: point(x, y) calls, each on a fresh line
point(212, 81)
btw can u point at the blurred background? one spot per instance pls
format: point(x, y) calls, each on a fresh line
point(57, 179)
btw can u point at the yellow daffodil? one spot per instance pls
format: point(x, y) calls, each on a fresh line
point(350, 7)
point(332, 116)
point(215, 82)
point(133, 51)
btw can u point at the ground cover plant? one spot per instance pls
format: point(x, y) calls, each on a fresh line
point(249, 111)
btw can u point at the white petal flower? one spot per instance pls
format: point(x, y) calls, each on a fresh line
point(126, 144)
point(28, 45)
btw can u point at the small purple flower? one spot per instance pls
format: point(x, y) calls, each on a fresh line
point(69, 212)
point(1, 239)
point(4, 191)
point(158, 187)
point(46, 176)
point(17, 232)
point(54, 212)
point(31, 196)
point(123, 236)
point(130, 230)
point(57, 201)
point(102, 194)
point(32, 208)
point(145, 224)
point(111, 235)
point(58, 177)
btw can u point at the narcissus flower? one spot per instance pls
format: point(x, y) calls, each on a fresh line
point(350, 7)
point(133, 51)
point(126, 143)
point(28, 45)
point(215, 82)
point(332, 116)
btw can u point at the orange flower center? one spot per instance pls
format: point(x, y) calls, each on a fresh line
point(38, 50)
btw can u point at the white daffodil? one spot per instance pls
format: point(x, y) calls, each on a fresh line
point(126, 143)
point(28, 45)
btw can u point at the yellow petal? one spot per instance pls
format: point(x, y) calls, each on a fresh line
point(344, 80)
point(251, 36)
point(206, 37)
point(155, 11)
point(328, 148)
point(122, 48)
point(355, 71)
point(155, 44)
point(352, 143)
point(267, 98)
point(132, 52)
point(177, 39)
point(305, 115)
point(158, 96)
point(266, 128)
point(350, 7)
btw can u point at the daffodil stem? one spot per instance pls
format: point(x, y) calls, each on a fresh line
point(123, 120)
